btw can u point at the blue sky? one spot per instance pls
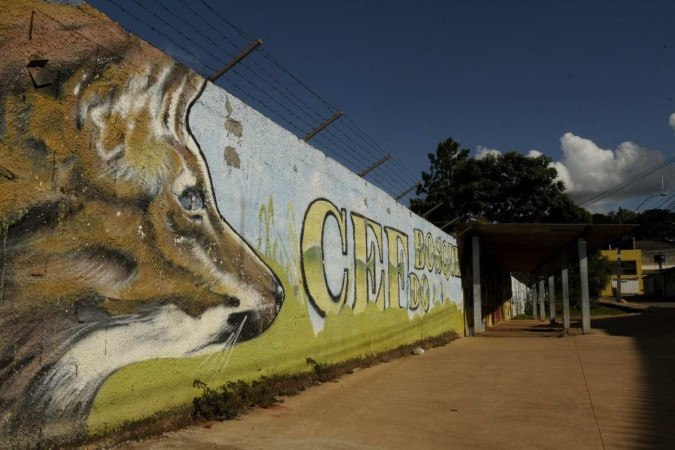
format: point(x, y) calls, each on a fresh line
point(508, 75)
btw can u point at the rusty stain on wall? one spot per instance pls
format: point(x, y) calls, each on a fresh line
point(231, 157)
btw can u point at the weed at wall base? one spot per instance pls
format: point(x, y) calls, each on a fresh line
point(232, 399)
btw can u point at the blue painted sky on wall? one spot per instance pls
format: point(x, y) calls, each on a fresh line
point(511, 75)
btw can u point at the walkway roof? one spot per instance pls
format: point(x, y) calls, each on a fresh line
point(525, 248)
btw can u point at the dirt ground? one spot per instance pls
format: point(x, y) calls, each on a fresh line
point(612, 389)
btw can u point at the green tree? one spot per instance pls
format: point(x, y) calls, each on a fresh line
point(504, 188)
point(656, 225)
point(507, 188)
point(600, 270)
point(653, 224)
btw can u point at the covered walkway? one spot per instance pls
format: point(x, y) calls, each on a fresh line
point(535, 254)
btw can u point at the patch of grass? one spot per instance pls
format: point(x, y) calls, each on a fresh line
point(596, 310)
point(522, 317)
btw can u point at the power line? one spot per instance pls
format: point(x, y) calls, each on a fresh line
point(395, 164)
point(386, 182)
point(196, 13)
point(632, 180)
point(650, 190)
point(205, 36)
point(264, 92)
point(100, 46)
point(346, 145)
point(662, 203)
point(381, 181)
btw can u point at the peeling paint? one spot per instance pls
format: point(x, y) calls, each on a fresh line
point(231, 157)
point(233, 127)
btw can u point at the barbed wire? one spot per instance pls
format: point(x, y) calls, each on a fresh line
point(244, 64)
point(402, 172)
point(347, 141)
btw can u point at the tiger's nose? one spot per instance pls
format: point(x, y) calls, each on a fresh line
point(278, 295)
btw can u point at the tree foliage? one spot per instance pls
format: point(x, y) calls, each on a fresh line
point(654, 224)
point(600, 270)
point(506, 188)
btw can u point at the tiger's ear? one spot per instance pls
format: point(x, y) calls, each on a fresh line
point(138, 129)
point(179, 98)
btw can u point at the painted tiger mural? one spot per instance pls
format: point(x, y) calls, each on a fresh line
point(113, 248)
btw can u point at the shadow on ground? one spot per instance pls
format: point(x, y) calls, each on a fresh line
point(654, 333)
point(639, 298)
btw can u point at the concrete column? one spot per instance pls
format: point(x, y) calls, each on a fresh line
point(542, 306)
point(551, 298)
point(565, 292)
point(477, 311)
point(533, 296)
point(585, 300)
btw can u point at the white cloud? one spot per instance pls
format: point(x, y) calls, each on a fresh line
point(671, 121)
point(588, 169)
point(482, 152)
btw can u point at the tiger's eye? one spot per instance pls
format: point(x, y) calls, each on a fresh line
point(191, 199)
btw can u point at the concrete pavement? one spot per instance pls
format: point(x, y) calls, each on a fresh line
point(612, 389)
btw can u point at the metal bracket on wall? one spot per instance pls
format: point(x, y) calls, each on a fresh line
point(407, 191)
point(41, 76)
point(450, 222)
point(432, 209)
point(30, 27)
point(375, 165)
point(318, 129)
point(236, 60)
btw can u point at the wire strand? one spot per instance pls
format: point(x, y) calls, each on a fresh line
point(161, 33)
point(632, 180)
point(359, 151)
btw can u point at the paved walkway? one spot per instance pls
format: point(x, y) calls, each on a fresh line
point(612, 389)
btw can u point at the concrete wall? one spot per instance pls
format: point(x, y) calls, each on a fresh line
point(660, 284)
point(520, 296)
point(156, 230)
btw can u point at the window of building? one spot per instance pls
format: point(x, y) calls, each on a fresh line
point(629, 267)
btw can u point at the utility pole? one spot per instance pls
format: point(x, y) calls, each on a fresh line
point(618, 273)
point(660, 259)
